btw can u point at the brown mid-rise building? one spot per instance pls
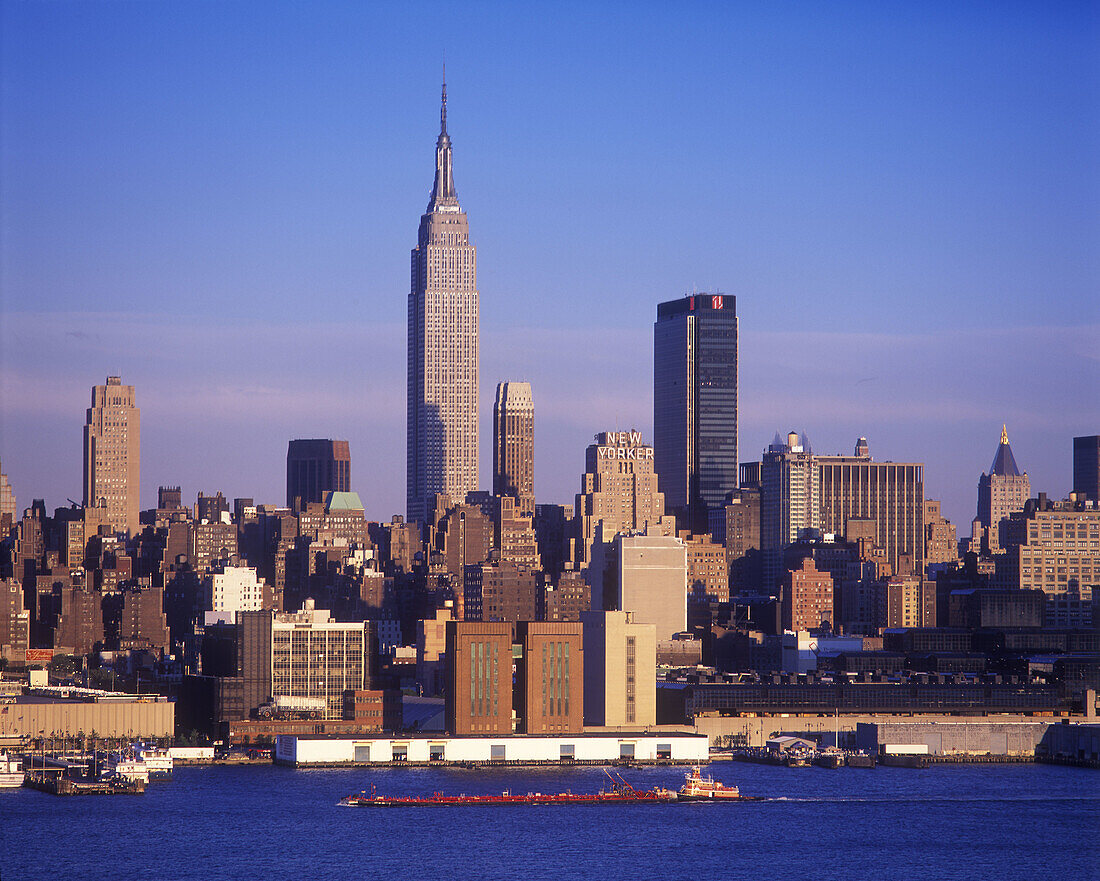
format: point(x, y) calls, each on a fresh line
point(566, 600)
point(142, 624)
point(213, 544)
point(514, 533)
point(550, 677)
point(374, 710)
point(905, 601)
point(501, 592)
point(79, 624)
point(112, 454)
point(941, 543)
point(479, 678)
point(807, 596)
point(431, 647)
point(15, 621)
point(706, 568)
point(742, 539)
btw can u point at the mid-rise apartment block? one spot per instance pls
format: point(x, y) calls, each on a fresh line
point(807, 597)
point(1055, 547)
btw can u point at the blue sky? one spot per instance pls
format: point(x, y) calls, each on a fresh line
point(217, 201)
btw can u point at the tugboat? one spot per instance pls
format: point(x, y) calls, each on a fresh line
point(699, 788)
point(11, 771)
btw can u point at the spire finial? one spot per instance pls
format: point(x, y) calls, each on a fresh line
point(443, 109)
point(443, 192)
point(1004, 434)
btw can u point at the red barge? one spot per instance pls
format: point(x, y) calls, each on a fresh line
point(620, 792)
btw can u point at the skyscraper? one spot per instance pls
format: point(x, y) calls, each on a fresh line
point(112, 454)
point(843, 495)
point(7, 498)
point(442, 347)
point(314, 467)
point(514, 444)
point(1086, 467)
point(790, 499)
point(695, 403)
point(1002, 491)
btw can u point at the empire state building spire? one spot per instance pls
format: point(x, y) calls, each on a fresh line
point(444, 197)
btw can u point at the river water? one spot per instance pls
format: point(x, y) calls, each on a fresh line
point(266, 822)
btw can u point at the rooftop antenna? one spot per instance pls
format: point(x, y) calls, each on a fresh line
point(443, 109)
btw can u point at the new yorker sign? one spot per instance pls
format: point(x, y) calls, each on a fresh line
point(622, 445)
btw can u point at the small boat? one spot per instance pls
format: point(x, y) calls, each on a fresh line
point(11, 771)
point(157, 759)
point(125, 766)
point(699, 788)
point(620, 792)
point(830, 757)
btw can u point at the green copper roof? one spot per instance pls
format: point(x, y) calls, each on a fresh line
point(335, 501)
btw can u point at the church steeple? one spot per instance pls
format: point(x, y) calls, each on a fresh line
point(444, 197)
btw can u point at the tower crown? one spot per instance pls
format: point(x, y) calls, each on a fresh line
point(1004, 463)
point(444, 196)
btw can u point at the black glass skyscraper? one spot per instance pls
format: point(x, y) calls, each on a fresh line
point(695, 403)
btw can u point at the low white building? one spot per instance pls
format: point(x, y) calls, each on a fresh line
point(305, 751)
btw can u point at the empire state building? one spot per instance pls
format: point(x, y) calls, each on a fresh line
point(442, 455)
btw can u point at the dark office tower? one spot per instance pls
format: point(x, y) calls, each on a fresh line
point(1086, 467)
point(314, 467)
point(443, 347)
point(695, 403)
point(514, 444)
